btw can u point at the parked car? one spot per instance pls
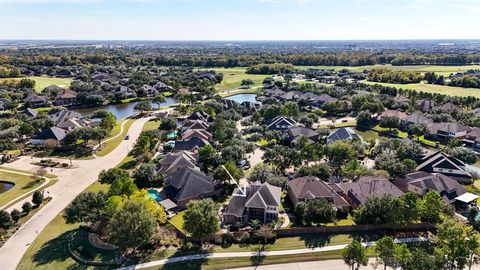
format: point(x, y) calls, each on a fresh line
point(127, 137)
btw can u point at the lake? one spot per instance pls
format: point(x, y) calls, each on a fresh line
point(122, 110)
point(5, 186)
point(244, 97)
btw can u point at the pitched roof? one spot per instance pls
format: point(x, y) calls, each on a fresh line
point(367, 186)
point(201, 133)
point(54, 133)
point(62, 116)
point(342, 134)
point(200, 116)
point(30, 112)
point(190, 183)
point(452, 127)
point(393, 113)
point(443, 161)
point(190, 144)
point(175, 161)
point(310, 187)
point(282, 121)
point(422, 182)
point(301, 131)
point(257, 196)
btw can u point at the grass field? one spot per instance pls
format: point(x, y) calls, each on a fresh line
point(112, 144)
point(151, 125)
point(232, 78)
point(42, 82)
point(430, 88)
point(440, 70)
point(23, 184)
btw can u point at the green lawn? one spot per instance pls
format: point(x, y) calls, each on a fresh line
point(177, 221)
point(112, 144)
point(23, 184)
point(42, 82)
point(430, 88)
point(151, 125)
point(232, 78)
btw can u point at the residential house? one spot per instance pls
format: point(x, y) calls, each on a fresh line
point(291, 96)
point(249, 107)
point(440, 162)
point(56, 88)
point(275, 92)
point(310, 187)
point(295, 133)
point(472, 139)
point(449, 130)
point(62, 116)
point(257, 201)
point(345, 133)
point(200, 133)
point(194, 124)
point(281, 123)
point(449, 107)
point(193, 144)
point(229, 104)
point(357, 193)
point(49, 137)
point(187, 184)
point(162, 87)
point(425, 105)
point(28, 112)
point(177, 161)
point(422, 182)
point(416, 119)
point(36, 101)
point(200, 116)
point(73, 123)
point(66, 98)
point(101, 77)
point(392, 113)
point(476, 111)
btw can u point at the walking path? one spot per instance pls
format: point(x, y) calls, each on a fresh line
point(259, 254)
point(122, 126)
point(71, 183)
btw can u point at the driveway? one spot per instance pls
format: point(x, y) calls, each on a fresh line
point(71, 183)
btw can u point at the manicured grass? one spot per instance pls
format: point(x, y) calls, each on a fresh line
point(430, 88)
point(49, 184)
point(241, 91)
point(151, 125)
point(232, 78)
point(23, 184)
point(112, 144)
point(42, 82)
point(177, 221)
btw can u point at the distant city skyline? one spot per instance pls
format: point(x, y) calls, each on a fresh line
point(239, 19)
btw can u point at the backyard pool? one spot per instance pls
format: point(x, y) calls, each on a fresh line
point(154, 194)
point(172, 134)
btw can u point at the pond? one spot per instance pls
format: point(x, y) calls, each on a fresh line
point(122, 110)
point(5, 186)
point(244, 97)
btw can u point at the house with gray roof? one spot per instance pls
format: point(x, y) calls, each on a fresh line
point(295, 133)
point(188, 184)
point(281, 123)
point(62, 116)
point(36, 101)
point(449, 130)
point(49, 137)
point(440, 162)
point(340, 134)
point(193, 144)
point(177, 161)
point(422, 182)
point(310, 187)
point(258, 201)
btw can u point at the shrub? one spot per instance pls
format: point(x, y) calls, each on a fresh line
point(27, 207)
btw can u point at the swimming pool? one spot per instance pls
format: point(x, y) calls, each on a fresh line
point(154, 194)
point(172, 134)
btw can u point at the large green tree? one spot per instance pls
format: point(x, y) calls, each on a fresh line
point(354, 254)
point(201, 218)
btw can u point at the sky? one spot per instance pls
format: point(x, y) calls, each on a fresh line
point(239, 19)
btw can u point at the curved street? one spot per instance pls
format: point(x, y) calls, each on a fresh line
point(71, 183)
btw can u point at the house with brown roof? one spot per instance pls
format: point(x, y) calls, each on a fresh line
point(425, 105)
point(310, 187)
point(392, 113)
point(357, 193)
point(177, 161)
point(416, 119)
point(449, 130)
point(295, 133)
point(472, 139)
point(201, 133)
point(35, 101)
point(422, 182)
point(257, 201)
point(66, 98)
point(449, 107)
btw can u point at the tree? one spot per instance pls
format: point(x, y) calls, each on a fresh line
point(146, 175)
point(159, 99)
point(431, 207)
point(223, 173)
point(86, 207)
point(122, 186)
point(390, 122)
point(464, 154)
point(314, 212)
point(5, 219)
point(265, 233)
point(109, 176)
point(15, 215)
point(247, 82)
point(132, 226)
point(168, 123)
point(37, 198)
point(353, 169)
point(364, 119)
point(143, 106)
point(379, 209)
point(385, 249)
point(108, 121)
point(208, 156)
point(282, 157)
point(201, 218)
point(354, 253)
point(27, 207)
point(291, 109)
point(339, 152)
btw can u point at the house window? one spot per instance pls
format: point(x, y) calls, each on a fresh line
point(450, 170)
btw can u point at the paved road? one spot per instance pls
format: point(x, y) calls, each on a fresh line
point(71, 183)
point(338, 263)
